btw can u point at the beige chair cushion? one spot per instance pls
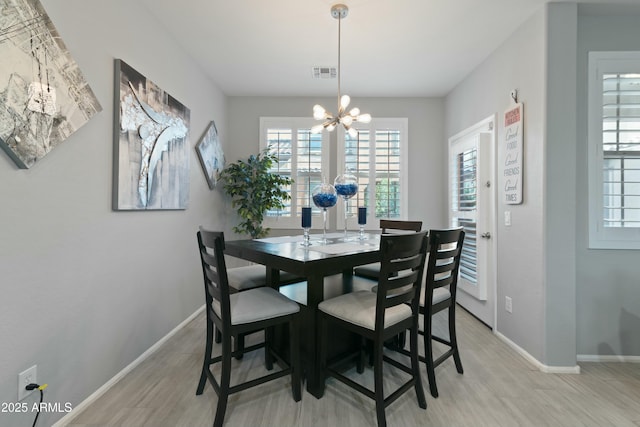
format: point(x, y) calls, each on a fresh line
point(371, 271)
point(252, 276)
point(257, 304)
point(439, 295)
point(248, 277)
point(359, 308)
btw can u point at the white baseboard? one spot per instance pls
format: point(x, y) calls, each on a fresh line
point(62, 422)
point(608, 358)
point(535, 362)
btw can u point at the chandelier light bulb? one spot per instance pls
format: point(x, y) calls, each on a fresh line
point(355, 112)
point(353, 132)
point(317, 129)
point(364, 118)
point(344, 102)
point(319, 113)
point(347, 121)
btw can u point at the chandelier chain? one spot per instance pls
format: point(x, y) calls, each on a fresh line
point(339, 38)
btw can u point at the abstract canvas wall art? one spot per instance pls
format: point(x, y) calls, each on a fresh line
point(151, 156)
point(211, 155)
point(44, 97)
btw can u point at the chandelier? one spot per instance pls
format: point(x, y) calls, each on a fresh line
point(344, 117)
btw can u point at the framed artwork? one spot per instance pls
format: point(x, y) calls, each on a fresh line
point(151, 155)
point(44, 98)
point(211, 155)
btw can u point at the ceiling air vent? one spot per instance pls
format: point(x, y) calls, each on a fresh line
point(324, 72)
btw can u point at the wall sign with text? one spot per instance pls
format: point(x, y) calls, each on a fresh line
point(512, 167)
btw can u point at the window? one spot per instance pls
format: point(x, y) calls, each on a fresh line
point(377, 156)
point(303, 156)
point(464, 194)
point(614, 150)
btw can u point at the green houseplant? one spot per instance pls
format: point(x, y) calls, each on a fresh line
point(254, 190)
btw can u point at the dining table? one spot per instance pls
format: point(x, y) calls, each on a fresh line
point(327, 269)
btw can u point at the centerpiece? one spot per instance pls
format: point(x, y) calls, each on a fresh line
point(346, 186)
point(324, 196)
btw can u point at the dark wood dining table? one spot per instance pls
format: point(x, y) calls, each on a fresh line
point(315, 263)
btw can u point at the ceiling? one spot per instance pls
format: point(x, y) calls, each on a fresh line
point(389, 47)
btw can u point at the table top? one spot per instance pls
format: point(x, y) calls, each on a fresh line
point(287, 253)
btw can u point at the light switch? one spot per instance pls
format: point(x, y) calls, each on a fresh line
point(507, 218)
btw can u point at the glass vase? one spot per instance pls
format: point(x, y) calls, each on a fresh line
point(324, 196)
point(346, 186)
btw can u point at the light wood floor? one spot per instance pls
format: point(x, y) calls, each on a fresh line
point(498, 388)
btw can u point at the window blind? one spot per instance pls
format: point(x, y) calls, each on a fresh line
point(621, 149)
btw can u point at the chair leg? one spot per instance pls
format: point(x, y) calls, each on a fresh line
point(294, 352)
point(225, 379)
point(362, 354)
point(415, 367)
point(207, 358)
point(377, 380)
point(453, 339)
point(239, 342)
point(428, 355)
point(268, 340)
point(322, 352)
point(401, 340)
point(218, 335)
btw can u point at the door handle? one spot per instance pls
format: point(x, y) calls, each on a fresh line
point(486, 235)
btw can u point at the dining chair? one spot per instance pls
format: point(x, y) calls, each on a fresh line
point(239, 313)
point(378, 317)
point(439, 293)
point(387, 226)
point(250, 277)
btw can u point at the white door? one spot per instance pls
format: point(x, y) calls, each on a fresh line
point(472, 206)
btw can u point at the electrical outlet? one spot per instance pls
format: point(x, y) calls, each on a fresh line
point(507, 218)
point(508, 305)
point(25, 378)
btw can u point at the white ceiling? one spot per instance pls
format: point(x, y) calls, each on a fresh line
point(389, 47)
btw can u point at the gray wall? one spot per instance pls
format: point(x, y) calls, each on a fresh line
point(608, 284)
point(559, 186)
point(86, 290)
point(517, 64)
point(427, 159)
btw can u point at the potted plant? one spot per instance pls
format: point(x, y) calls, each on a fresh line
point(254, 190)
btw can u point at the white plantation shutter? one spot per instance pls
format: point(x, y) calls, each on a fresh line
point(377, 156)
point(621, 150)
point(303, 156)
point(464, 204)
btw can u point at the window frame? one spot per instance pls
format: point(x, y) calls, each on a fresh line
point(396, 123)
point(600, 63)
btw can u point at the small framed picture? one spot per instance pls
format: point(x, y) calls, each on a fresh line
point(211, 155)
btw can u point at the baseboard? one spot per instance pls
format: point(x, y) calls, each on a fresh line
point(62, 422)
point(535, 362)
point(608, 358)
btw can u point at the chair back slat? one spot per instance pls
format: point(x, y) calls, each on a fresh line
point(216, 282)
point(387, 225)
point(443, 261)
point(401, 268)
